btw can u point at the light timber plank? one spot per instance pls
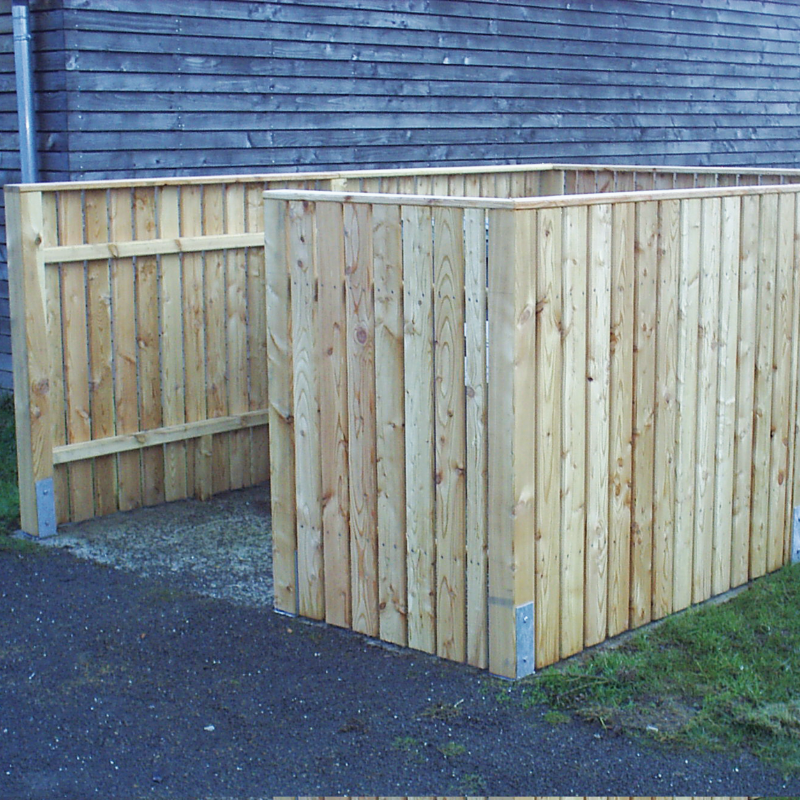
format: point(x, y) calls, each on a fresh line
point(688, 320)
point(216, 339)
point(257, 334)
point(150, 409)
point(745, 390)
point(598, 376)
point(794, 406)
point(76, 359)
point(666, 407)
point(477, 442)
point(308, 490)
point(644, 367)
point(573, 487)
point(333, 413)
point(779, 524)
point(765, 340)
point(730, 257)
point(390, 421)
point(53, 306)
point(172, 378)
point(30, 356)
point(126, 389)
point(524, 509)
point(281, 402)
point(502, 611)
point(548, 437)
point(708, 360)
point(419, 417)
point(100, 353)
point(361, 402)
point(238, 365)
point(449, 410)
point(198, 457)
point(621, 415)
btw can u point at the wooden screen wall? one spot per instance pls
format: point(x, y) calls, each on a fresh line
point(581, 408)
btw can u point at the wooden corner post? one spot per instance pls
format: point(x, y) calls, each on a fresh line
point(31, 361)
point(512, 393)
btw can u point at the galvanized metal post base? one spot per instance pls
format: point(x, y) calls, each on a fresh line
point(796, 535)
point(526, 641)
point(46, 507)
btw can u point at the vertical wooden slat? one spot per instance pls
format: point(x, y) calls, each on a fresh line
point(781, 427)
point(236, 272)
point(55, 342)
point(172, 378)
point(450, 425)
point(476, 463)
point(745, 389)
point(502, 612)
point(621, 414)
point(726, 399)
point(390, 420)
point(548, 437)
point(793, 493)
point(665, 409)
point(573, 519)
point(198, 451)
point(765, 339)
point(333, 413)
point(706, 399)
point(598, 327)
point(30, 360)
point(644, 367)
point(257, 335)
point(147, 304)
point(76, 359)
point(685, 447)
point(419, 416)
point(216, 339)
point(281, 403)
point(308, 490)
point(361, 402)
point(126, 390)
point(101, 376)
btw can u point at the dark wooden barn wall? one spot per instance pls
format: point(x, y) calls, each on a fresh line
point(149, 87)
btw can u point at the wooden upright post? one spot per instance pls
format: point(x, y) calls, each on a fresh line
point(31, 361)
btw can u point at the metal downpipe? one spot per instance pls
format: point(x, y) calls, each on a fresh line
point(24, 78)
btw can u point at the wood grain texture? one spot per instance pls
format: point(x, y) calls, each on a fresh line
point(281, 404)
point(477, 441)
point(548, 435)
point(450, 426)
point(333, 413)
point(666, 407)
point(598, 375)
point(419, 420)
point(361, 406)
point(390, 422)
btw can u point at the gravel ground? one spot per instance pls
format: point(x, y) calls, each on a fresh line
point(152, 666)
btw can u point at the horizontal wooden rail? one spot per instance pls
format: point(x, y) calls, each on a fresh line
point(69, 453)
point(527, 203)
point(65, 254)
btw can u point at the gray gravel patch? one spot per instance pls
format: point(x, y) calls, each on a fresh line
point(219, 548)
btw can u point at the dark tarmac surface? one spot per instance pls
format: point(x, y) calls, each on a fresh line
point(122, 686)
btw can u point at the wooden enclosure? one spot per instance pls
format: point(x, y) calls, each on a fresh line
point(505, 422)
point(505, 430)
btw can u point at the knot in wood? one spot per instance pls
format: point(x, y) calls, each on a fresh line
point(361, 335)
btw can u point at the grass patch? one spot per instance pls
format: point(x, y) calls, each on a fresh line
point(452, 749)
point(9, 495)
point(720, 677)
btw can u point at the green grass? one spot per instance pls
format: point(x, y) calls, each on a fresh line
point(722, 677)
point(9, 495)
